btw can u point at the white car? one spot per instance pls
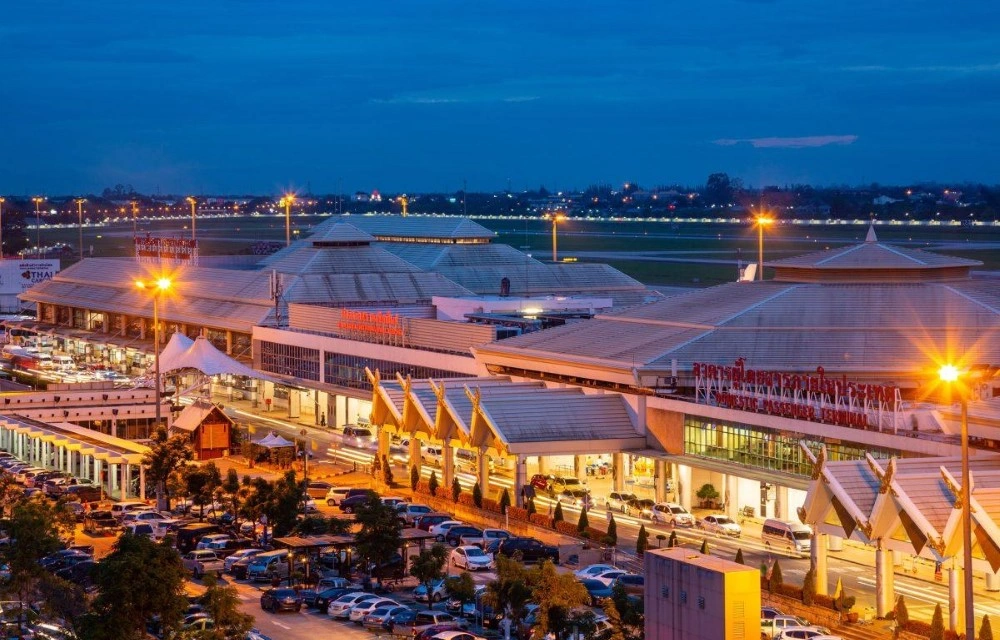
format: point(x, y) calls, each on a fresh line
point(803, 633)
point(360, 610)
point(230, 560)
point(471, 558)
point(341, 607)
point(593, 570)
point(335, 495)
point(440, 530)
point(149, 517)
point(721, 525)
point(671, 513)
point(608, 577)
point(214, 541)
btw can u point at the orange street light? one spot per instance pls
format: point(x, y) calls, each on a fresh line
point(79, 212)
point(556, 218)
point(38, 200)
point(194, 204)
point(952, 376)
point(287, 202)
point(762, 220)
point(157, 288)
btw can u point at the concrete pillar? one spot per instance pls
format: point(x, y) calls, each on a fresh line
point(897, 558)
point(447, 466)
point(384, 442)
point(992, 581)
point(484, 472)
point(885, 599)
point(956, 604)
point(578, 466)
point(542, 465)
point(520, 478)
point(781, 502)
point(229, 343)
point(684, 486)
point(294, 404)
point(142, 328)
point(818, 552)
point(414, 451)
point(98, 478)
point(142, 482)
point(341, 417)
point(618, 465)
point(660, 480)
point(836, 543)
point(104, 324)
point(731, 495)
point(126, 481)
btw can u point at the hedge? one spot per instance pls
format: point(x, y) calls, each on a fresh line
point(517, 513)
point(541, 520)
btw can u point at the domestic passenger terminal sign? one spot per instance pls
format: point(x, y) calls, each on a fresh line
point(810, 397)
point(17, 276)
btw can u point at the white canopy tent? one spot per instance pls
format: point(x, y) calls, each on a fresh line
point(203, 356)
point(273, 441)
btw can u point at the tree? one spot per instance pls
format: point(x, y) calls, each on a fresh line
point(642, 541)
point(232, 488)
point(774, 581)
point(428, 566)
point(510, 592)
point(704, 547)
point(461, 587)
point(432, 484)
point(456, 490)
point(529, 505)
point(902, 613)
point(739, 557)
point(937, 624)
point(504, 500)
point(612, 537)
point(614, 619)
point(379, 538)
point(583, 522)
point(557, 515)
point(200, 482)
point(139, 580)
point(809, 587)
point(986, 630)
point(720, 189)
point(557, 594)
point(414, 477)
point(166, 454)
point(672, 540)
point(386, 471)
point(631, 610)
point(222, 602)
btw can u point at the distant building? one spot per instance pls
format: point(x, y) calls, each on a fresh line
point(881, 201)
point(690, 596)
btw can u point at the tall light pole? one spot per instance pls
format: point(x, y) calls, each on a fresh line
point(79, 212)
point(2, 200)
point(950, 374)
point(135, 218)
point(38, 200)
point(287, 202)
point(156, 288)
point(763, 220)
point(194, 205)
point(556, 219)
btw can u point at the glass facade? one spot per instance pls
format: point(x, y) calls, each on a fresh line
point(288, 360)
point(762, 448)
point(349, 371)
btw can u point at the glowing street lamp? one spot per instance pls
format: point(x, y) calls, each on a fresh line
point(952, 376)
point(135, 218)
point(156, 288)
point(2, 200)
point(79, 212)
point(556, 218)
point(762, 221)
point(194, 203)
point(287, 202)
point(38, 200)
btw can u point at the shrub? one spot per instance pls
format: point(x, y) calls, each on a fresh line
point(774, 582)
point(612, 530)
point(594, 534)
point(530, 506)
point(918, 627)
point(557, 515)
point(504, 501)
point(809, 587)
point(566, 528)
point(466, 500)
point(901, 613)
point(823, 601)
point(583, 522)
point(739, 557)
point(539, 519)
point(491, 505)
point(432, 484)
point(477, 496)
point(707, 492)
point(517, 513)
point(386, 471)
point(456, 490)
point(986, 630)
point(414, 477)
point(937, 625)
point(642, 541)
point(790, 591)
point(843, 603)
point(704, 547)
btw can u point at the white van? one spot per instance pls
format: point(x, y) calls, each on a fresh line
point(63, 363)
point(787, 534)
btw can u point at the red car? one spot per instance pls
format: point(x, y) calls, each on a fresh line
point(540, 481)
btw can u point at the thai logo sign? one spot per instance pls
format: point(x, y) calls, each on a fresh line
point(811, 397)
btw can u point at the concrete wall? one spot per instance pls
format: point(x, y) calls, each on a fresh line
point(665, 430)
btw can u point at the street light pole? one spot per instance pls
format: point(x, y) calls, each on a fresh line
point(950, 374)
point(157, 288)
point(762, 221)
point(556, 219)
point(79, 212)
point(287, 201)
point(194, 204)
point(38, 226)
point(2, 200)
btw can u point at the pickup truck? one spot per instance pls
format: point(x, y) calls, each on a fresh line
point(99, 523)
point(771, 627)
point(202, 561)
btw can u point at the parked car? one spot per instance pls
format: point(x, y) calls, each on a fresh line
point(408, 512)
point(437, 591)
point(531, 550)
point(487, 536)
point(617, 500)
point(597, 590)
point(454, 535)
point(213, 541)
point(321, 599)
point(350, 504)
point(640, 508)
point(98, 523)
point(275, 600)
point(318, 488)
point(608, 577)
point(539, 481)
point(720, 525)
point(233, 558)
point(634, 584)
point(428, 520)
point(335, 494)
point(401, 619)
point(771, 627)
point(672, 513)
point(803, 633)
point(592, 570)
point(202, 561)
point(380, 616)
point(359, 611)
point(440, 529)
point(83, 493)
point(471, 558)
point(434, 622)
point(341, 607)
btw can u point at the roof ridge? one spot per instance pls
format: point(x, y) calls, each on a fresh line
point(899, 253)
point(843, 252)
point(975, 301)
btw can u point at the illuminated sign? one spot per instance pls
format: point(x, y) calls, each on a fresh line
point(811, 397)
point(150, 249)
point(17, 276)
point(381, 327)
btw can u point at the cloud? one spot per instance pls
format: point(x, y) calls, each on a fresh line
point(788, 143)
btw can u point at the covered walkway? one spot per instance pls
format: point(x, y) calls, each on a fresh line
point(496, 417)
point(905, 506)
point(112, 463)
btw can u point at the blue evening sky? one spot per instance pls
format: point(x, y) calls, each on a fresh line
point(215, 96)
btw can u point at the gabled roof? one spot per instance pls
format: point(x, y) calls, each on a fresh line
point(873, 255)
point(385, 227)
point(302, 259)
point(341, 233)
point(196, 413)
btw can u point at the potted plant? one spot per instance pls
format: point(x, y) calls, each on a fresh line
point(708, 496)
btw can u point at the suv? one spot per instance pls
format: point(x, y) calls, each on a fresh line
point(671, 513)
point(429, 618)
point(531, 550)
point(335, 495)
point(408, 512)
point(618, 499)
point(351, 502)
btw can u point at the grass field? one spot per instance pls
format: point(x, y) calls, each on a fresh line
point(709, 251)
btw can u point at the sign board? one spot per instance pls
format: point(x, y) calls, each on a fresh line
point(151, 249)
point(380, 327)
point(810, 397)
point(17, 276)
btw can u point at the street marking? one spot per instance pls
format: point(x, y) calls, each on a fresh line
point(283, 626)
